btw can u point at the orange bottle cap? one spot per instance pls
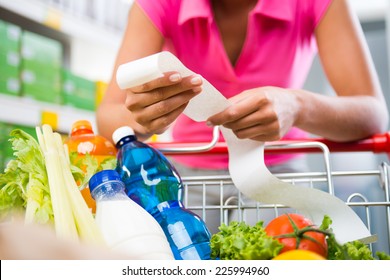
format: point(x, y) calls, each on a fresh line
point(81, 124)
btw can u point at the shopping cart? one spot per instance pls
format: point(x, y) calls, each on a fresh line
point(372, 204)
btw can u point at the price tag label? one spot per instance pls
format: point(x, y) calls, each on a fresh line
point(50, 118)
point(53, 19)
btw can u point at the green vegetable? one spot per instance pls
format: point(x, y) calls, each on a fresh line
point(383, 256)
point(24, 186)
point(72, 217)
point(62, 209)
point(38, 184)
point(91, 166)
point(354, 250)
point(239, 241)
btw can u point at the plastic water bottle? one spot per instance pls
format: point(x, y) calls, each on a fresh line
point(154, 184)
point(126, 226)
point(83, 140)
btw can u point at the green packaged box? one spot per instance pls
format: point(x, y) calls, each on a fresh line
point(42, 85)
point(7, 72)
point(78, 102)
point(78, 91)
point(9, 58)
point(5, 146)
point(10, 86)
point(47, 76)
point(42, 92)
point(9, 65)
point(10, 36)
point(35, 47)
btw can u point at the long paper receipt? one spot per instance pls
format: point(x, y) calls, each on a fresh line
point(246, 157)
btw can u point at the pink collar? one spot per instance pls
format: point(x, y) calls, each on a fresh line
point(280, 10)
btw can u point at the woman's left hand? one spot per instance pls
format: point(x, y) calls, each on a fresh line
point(262, 114)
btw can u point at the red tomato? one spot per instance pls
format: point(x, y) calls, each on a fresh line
point(295, 231)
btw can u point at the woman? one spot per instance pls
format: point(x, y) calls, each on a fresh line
point(258, 54)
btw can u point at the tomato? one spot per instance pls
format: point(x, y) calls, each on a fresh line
point(299, 255)
point(295, 231)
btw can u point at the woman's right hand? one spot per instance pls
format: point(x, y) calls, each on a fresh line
point(156, 104)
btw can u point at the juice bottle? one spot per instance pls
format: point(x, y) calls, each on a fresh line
point(83, 140)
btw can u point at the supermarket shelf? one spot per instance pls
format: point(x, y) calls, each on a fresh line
point(85, 29)
point(375, 10)
point(73, 26)
point(25, 111)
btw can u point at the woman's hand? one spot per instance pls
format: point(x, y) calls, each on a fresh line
point(156, 104)
point(262, 114)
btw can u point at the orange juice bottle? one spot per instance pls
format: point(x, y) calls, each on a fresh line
point(83, 140)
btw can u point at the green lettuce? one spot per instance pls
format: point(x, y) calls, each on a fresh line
point(91, 166)
point(24, 186)
point(354, 250)
point(240, 241)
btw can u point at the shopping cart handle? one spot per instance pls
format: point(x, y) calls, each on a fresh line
point(378, 143)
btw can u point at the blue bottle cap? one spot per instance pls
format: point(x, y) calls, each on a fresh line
point(103, 176)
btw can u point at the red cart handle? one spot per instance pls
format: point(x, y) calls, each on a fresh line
point(379, 143)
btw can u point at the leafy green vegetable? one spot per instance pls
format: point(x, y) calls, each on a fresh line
point(24, 184)
point(91, 166)
point(239, 241)
point(12, 182)
point(354, 250)
point(383, 256)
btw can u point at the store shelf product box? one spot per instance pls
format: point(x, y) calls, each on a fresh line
point(77, 91)
point(41, 62)
point(9, 63)
point(9, 73)
point(9, 58)
point(38, 48)
point(10, 86)
point(101, 88)
point(10, 39)
point(42, 92)
point(5, 146)
point(41, 82)
point(10, 36)
point(41, 85)
point(33, 72)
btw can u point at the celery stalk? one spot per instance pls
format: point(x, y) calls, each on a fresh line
point(32, 205)
point(85, 222)
point(62, 210)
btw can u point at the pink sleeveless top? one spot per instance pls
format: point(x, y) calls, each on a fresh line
point(278, 51)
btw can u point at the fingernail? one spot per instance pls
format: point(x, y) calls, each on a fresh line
point(196, 80)
point(197, 90)
point(175, 77)
point(208, 123)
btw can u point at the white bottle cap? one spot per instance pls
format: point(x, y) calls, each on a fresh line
point(121, 132)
